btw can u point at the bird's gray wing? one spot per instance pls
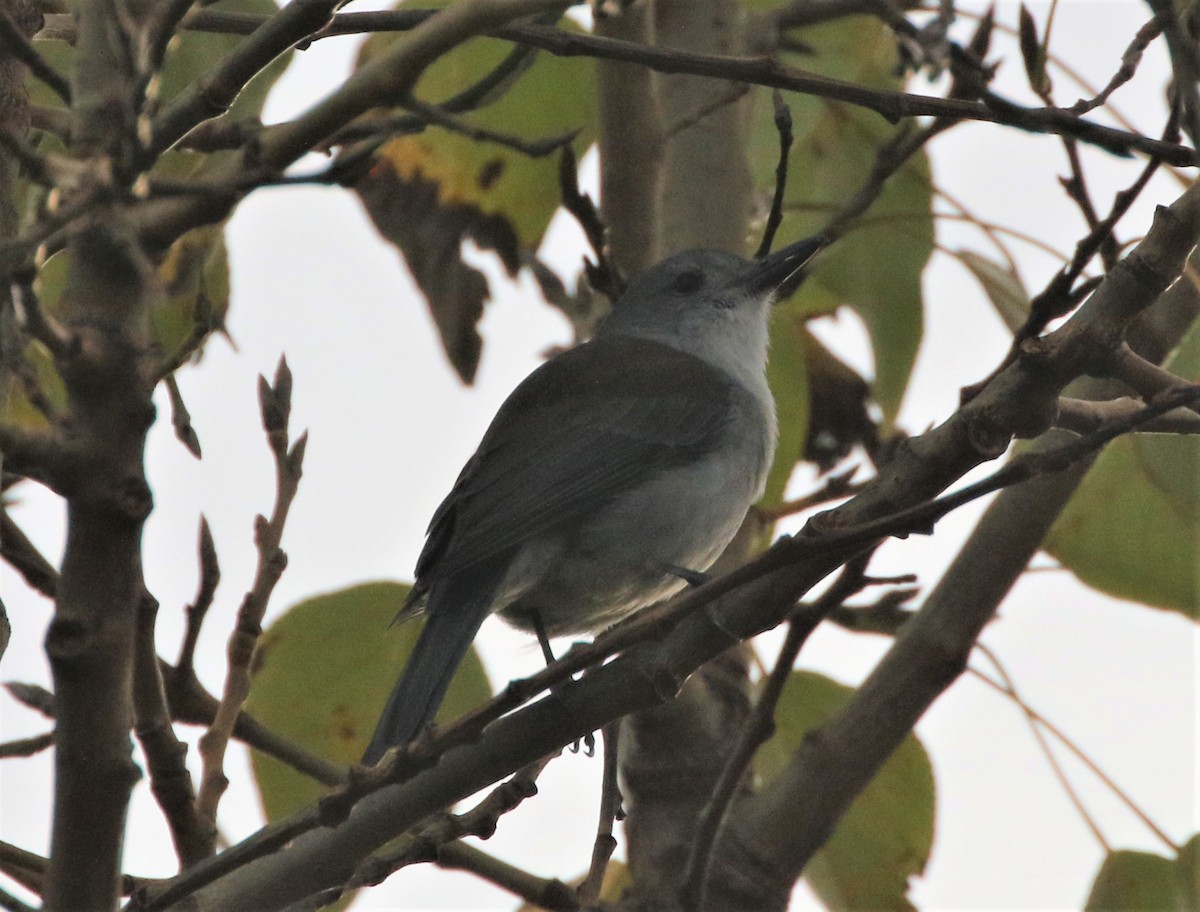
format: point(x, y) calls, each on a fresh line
point(572, 436)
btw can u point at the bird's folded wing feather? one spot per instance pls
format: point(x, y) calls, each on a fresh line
point(572, 436)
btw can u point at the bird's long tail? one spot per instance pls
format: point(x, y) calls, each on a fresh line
point(440, 648)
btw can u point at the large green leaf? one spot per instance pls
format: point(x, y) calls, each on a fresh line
point(428, 191)
point(549, 97)
point(887, 834)
point(787, 372)
point(875, 269)
point(324, 671)
point(1132, 526)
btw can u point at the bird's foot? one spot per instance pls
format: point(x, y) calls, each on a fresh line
point(691, 577)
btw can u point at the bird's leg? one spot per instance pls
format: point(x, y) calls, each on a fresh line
point(539, 629)
point(693, 578)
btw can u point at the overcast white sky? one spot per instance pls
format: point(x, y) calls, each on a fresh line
point(390, 426)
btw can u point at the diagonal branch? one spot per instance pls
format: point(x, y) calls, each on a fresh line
point(13, 40)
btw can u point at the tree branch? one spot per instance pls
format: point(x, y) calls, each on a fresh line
point(276, 406)
point(13, 40)
point(932, 647)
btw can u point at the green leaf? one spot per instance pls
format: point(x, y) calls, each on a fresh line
point(1131, 528)
point(787, 372)
point(876, 268)
point(1004, 288)
point(1187, 876)
point(428, 191)
point(887, 834)
point(1133, 882)
point(325, 669)
point(195, 280)
point(549, 97)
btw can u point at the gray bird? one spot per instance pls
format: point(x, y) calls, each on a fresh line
point(613, 473)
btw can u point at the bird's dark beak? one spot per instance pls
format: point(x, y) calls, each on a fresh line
point(783, 270)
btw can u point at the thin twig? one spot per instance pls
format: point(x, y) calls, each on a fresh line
point(1006, 686)
point(25, 558)
point(604, 844)
point(1145, 377)
point(756, 730)
point(39, 324)
point(1085, 415)
point(160, 26)
point(11, 903)
point(192, 704)
point(35, 165)
point(275, 403)
point(547, 893)
point(783, 125)
point(212, 94)
point(603, 274)
point(444, 829)
point(28, 868)
point(35, 696)
point(210, 576)
point(534, 148)
point(494, 84)
point(1037, 720)
point(170, 781)
point(34, 452)
point(26, 747)
point(15, 42)
point(1129, 64)
point(1054, 300)
point(756, 71)
point(836, 487)
point(1181, 47)
point(181, 418)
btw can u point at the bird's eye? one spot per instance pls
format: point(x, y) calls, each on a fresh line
point(688, 282)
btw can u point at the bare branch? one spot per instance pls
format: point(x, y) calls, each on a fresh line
point(783, 125)
point(36, 453)
point(1037, 720)
point(1183, 50)
point(1142, 375)
point(275, 402)
point(1129, 64)
point(1085, 416)
point(1007, 687)
point(23, 555)
point(170, 781)
point(26, 747)
point(603, 274)
point(836, 487)
point(212, 94)
point(426, 843)
point(181, 418)
point(39, 324)
point(210, 576)
point(10, 902)
point(604, 844)
point(548, 893)
point(13, 40)
point(757, 729)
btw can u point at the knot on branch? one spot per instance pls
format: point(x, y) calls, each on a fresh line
point(132, 499)
point(990, 437)
point(69, 637)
